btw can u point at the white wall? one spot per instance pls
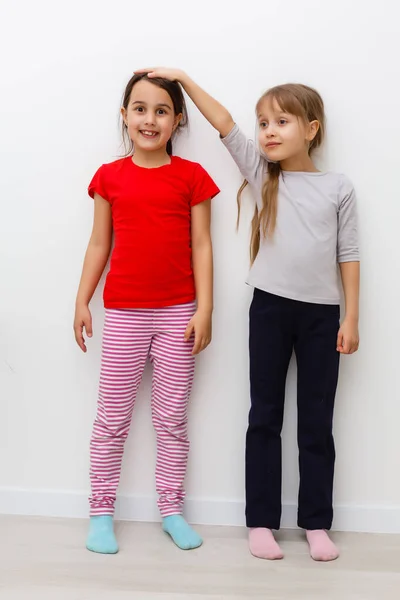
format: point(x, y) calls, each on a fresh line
point(63, 72)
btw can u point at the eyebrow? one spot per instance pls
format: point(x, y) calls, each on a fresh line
point(281, 113)
point(158, 105)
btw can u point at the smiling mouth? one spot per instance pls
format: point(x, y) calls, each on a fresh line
point(148, 134)
point(273, 145)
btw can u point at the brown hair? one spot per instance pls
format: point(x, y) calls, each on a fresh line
point(305, 103)
point(173, 89)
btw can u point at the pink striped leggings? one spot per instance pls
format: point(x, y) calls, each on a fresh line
point(130, 337)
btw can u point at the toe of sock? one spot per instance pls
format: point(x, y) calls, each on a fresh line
point(181, 533)
point(267, 553)
point(102, 546)
point(324, 556)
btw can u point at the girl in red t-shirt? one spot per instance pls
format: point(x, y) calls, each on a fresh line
point(157, 206)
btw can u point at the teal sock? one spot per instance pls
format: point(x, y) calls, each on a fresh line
point(101, 536)
point(181, 532)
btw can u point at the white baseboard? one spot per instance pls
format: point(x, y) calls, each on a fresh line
point(48, 503)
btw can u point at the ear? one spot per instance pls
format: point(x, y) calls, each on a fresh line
point(124, 116)
point(177, 120)
point(313, 128)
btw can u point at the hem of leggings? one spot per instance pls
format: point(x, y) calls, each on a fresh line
point(262, 525)
point(314, 526)
point(170, 513)
point(101, 512)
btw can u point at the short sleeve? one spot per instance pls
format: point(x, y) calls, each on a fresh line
point(347, 246)
point(98, 184)
point(203, 187)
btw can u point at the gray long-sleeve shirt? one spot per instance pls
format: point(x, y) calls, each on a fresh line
point(316, 228)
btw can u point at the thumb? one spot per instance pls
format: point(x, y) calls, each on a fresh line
point(339, 342)
point(346, 346)
point(88, 326)
point(188, 331)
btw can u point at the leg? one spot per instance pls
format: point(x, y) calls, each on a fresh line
point(270, 351)
point(126, 342)
point(318, 367)
point(172, 382)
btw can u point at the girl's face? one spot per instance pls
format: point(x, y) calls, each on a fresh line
point(282, 135)
point(150, 117)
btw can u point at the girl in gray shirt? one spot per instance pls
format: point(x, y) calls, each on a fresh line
point(304, 226)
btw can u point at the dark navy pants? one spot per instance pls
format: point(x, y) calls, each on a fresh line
point(277, 327)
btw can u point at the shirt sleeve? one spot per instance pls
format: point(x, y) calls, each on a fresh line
point(347, 246)
point(98, 185)
point(245, 154)
point(203, 187)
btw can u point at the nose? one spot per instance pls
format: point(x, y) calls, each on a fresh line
point(270, 130)
point(150, 118)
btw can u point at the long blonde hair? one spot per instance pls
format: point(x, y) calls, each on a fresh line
point(305, 103)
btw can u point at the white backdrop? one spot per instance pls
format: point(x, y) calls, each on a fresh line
point(64, 69)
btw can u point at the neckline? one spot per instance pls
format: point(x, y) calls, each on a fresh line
point(309, 173)
point(135, 166)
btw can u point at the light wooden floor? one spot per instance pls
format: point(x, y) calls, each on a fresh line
point(43, 559)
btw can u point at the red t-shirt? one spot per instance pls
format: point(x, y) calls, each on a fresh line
point(151, 262)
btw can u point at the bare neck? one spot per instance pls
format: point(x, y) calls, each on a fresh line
point(301, 162)
point(151, 160)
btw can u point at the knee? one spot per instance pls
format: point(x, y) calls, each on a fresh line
point(169, 427)
point(103, 430)
point(268, 419)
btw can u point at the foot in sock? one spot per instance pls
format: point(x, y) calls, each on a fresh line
point(321, 547)
point(181, 532)
point(101, 536)
point(262, 544)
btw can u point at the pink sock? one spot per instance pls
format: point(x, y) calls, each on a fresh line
point(262, 544)
point(321, 547)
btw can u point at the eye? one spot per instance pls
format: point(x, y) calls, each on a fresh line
point(161, 111)
point(263, 124)
point(139, 108)
point(282, 121)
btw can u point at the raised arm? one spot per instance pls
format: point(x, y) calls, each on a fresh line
point(216, 114)
point(244, 151)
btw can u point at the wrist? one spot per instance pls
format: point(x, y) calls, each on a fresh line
point(81, 302)
point(183, 78)
point(205, 309)
point(351, 317)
